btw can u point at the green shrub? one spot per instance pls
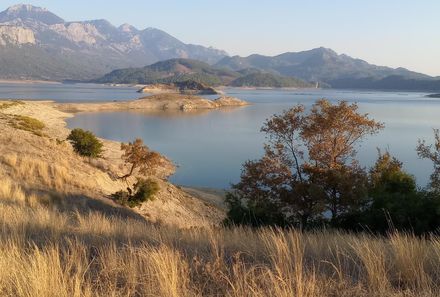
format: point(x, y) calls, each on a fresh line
point(143, 190)
point(85, 143)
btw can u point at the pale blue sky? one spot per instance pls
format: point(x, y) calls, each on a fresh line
point(385, 32)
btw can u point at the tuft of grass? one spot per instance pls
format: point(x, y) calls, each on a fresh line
point(27, 124)
point(6, 105)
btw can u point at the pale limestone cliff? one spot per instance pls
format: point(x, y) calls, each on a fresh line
point(16, 35)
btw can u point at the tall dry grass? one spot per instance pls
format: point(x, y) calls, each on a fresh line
point(47, 251)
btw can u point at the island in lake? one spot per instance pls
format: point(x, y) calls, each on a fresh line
point(167, 101)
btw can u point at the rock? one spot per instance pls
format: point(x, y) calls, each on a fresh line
point(16, 35)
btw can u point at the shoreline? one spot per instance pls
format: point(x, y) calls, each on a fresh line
point(29, 81)
point(93, 179)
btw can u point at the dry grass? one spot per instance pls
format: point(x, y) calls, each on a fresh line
point(52, 175)
point(27, 124)
point(8, 104)
point(46, 251)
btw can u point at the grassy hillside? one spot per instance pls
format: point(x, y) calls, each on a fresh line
point(50, 252)
point(36, 156)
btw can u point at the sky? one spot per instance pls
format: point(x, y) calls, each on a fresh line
point(396, 33)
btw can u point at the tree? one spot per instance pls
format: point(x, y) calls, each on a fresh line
point(309, 165)
point(85, 143)
point(330, 133)
point(139, 158)
point(143, 190)
point(396, 203)
point(432, 152)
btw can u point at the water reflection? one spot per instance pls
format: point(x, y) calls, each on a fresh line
point(210, 146)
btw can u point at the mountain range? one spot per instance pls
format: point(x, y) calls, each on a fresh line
point(336, 70)
point(37, 44)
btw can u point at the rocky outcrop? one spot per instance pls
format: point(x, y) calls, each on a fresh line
point(16, 35)
point(79, 32)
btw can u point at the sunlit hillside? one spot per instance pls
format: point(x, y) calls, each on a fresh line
point(48, 252)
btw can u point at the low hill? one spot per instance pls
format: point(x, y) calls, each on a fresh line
point(433, 96)
point(183, 70)
point(171, 71)
point(270, 81)
point(392, 82)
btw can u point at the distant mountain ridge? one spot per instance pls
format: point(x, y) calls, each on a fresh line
point(37, 44)
point(180, 70)
point(341, 71)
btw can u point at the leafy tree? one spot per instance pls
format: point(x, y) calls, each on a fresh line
point(432, 152)
point(85, 143)
point(308, 167)
point(396, 203)
point(139, 158)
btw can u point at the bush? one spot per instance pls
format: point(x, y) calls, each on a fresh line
point(143, 190)
point(85, 143)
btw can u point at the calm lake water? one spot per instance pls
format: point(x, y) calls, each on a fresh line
point(210, 146)
point(66, 92)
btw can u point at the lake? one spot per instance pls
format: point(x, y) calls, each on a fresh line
point(66, 92)
point(210, 146)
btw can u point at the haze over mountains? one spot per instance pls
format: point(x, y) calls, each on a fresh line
point(339, 71)
point(179, 70)
point(37, 44)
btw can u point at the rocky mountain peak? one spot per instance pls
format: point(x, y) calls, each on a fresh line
point(127, 28)
point(29, 12)
point(24, 7)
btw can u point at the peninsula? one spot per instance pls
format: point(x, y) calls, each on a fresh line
point(164, 102)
